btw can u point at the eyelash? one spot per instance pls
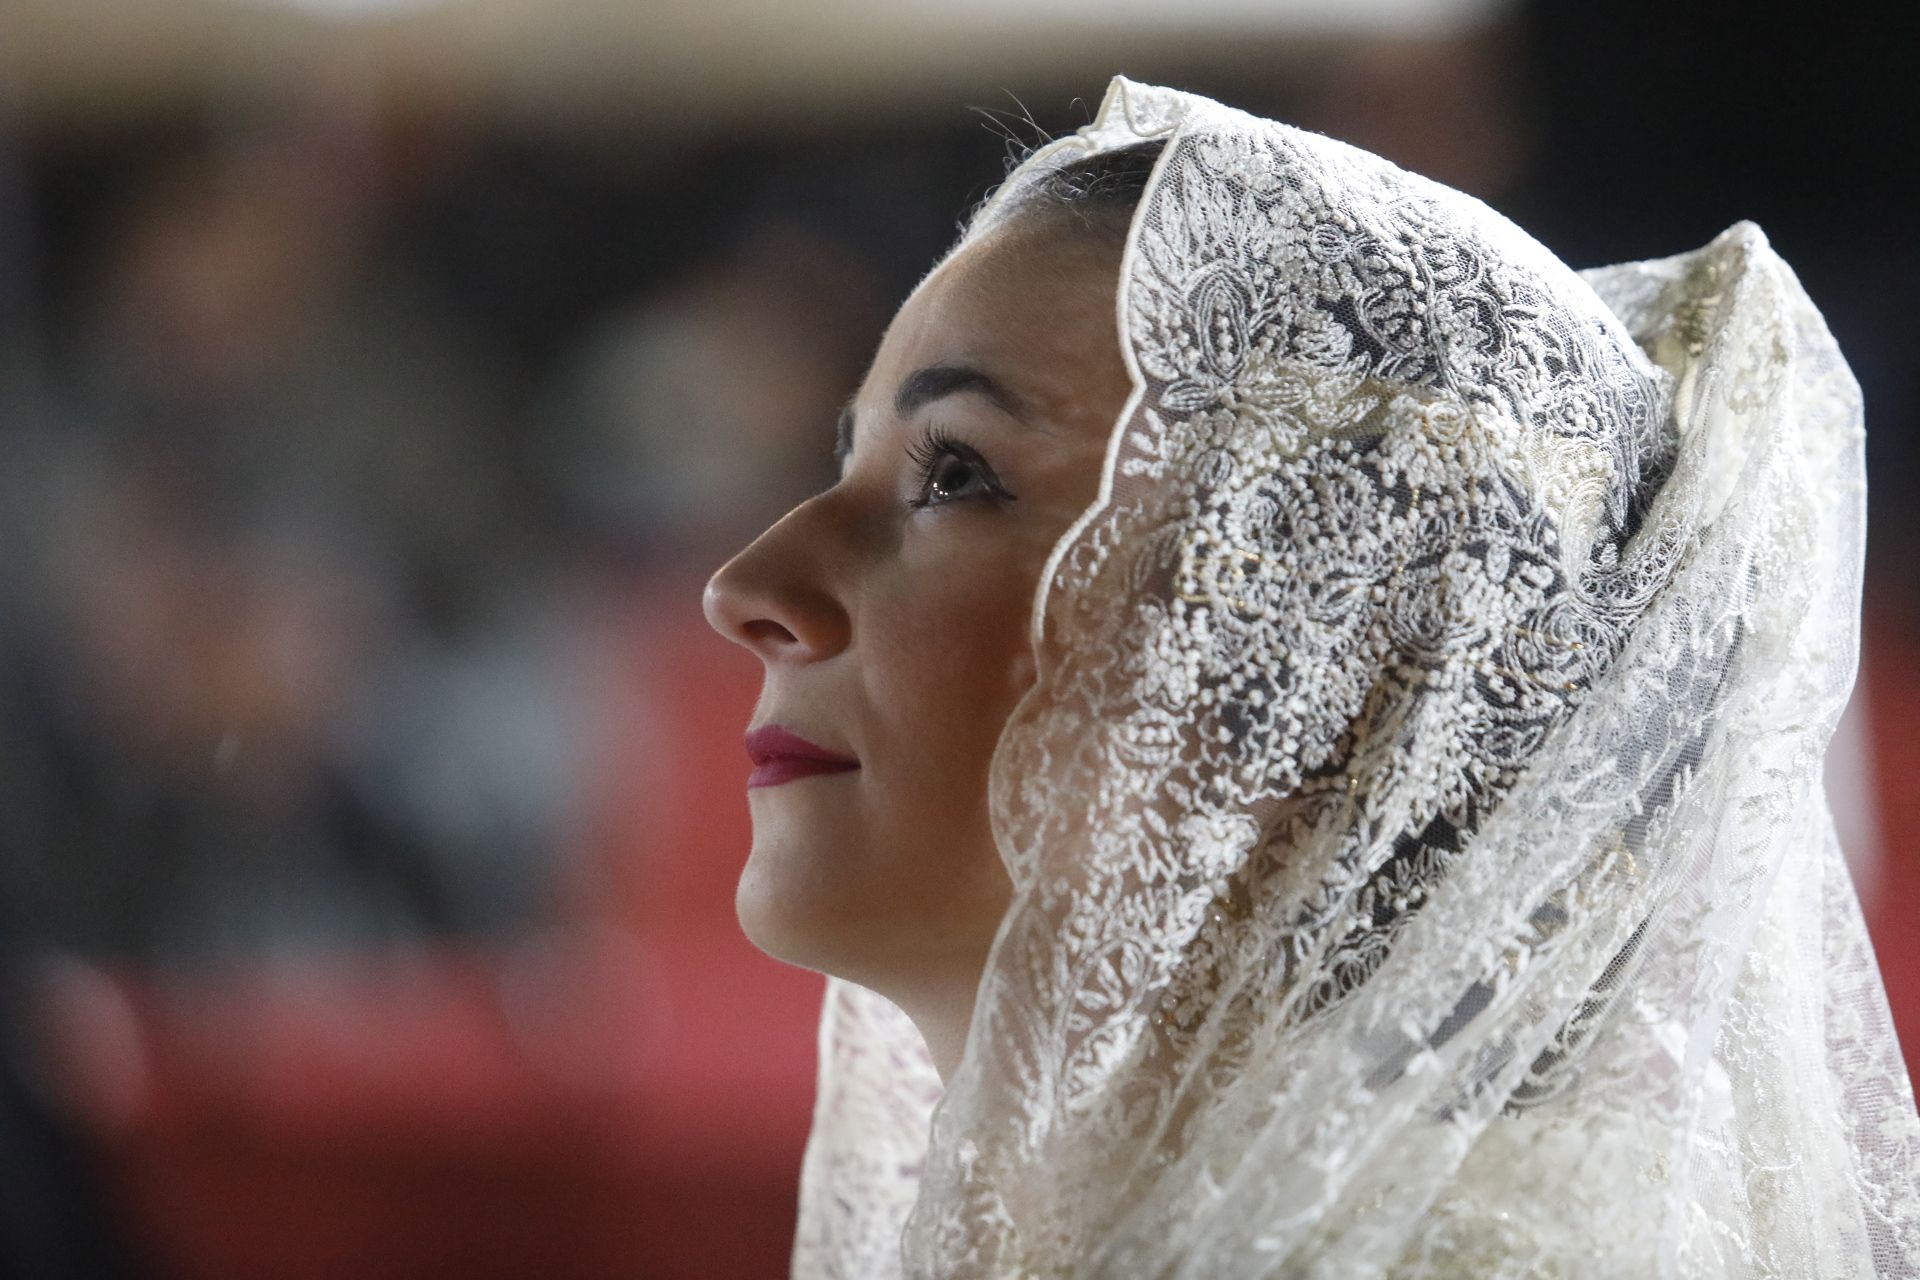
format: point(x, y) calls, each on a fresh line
point(933, 447)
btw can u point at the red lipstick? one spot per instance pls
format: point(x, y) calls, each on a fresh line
point(779, 756)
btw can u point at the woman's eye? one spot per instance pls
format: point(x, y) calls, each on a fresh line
point(949, 477)
point(950, 470)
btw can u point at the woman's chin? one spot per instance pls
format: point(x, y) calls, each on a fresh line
point(785, 914)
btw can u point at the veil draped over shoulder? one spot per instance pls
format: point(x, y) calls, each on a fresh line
point(1421, 867)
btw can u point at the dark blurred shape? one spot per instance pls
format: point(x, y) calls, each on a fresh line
point(683, 423)
point(55, 1218)
point(1660, 125)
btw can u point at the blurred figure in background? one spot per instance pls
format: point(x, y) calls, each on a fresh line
point(681, 416)
point(276, 492)
point(57, 1220)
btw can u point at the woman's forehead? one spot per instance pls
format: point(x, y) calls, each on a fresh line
point(1025, 306)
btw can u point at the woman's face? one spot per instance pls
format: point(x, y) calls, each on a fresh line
point(891, 611)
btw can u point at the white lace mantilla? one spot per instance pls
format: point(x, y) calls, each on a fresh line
point(1421, 868)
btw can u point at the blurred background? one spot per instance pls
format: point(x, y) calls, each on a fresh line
point(379, 382)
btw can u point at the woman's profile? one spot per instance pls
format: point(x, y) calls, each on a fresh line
point(1296, 736)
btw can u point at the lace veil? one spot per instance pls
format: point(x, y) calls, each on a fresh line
point(1420, 862)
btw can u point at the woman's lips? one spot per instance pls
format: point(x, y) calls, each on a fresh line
point(781, 756)
point(786, 768)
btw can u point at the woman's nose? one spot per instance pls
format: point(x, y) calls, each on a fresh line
point(771, 599)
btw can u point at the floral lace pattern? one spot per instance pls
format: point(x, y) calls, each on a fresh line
point(1420, 863)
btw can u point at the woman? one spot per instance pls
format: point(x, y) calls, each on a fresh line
point(1316, 713)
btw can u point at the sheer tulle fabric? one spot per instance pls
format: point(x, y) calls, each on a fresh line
point(1421, 865)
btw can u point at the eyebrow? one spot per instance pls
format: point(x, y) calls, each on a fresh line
point(925, 385)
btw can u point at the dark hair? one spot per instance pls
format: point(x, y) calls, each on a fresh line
point(1099, 191)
